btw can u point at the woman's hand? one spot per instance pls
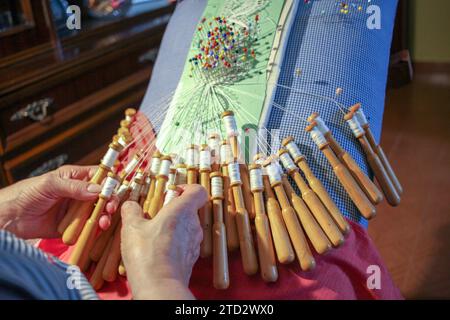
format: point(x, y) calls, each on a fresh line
point(33, 208)
point(159, 254)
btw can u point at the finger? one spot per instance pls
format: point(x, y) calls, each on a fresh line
point(192, 198)
point(72, 189)
point(131, 213)
point(76, 172)
point(104, 222)
point(112, 205)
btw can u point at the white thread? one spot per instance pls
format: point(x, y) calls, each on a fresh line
point(139, 175)
point(181, 177)
point(171, 179)
point(274, 173)
point(170, 195)
point(109, 186)
point(146, 187)
point(123, 189)
point(110, 158)
point(122, 141)
point(360, 115)
point(357, 130)
point(165, 168)
point(135, 191)
point(230, 125)
point(191, 157)
point(214, 146)
point(287, 162)
point(131, 165)
point(154, 168)
point(318, 137)
point(294, 150)
point(225, 154)
point(217, 187)
point(321, 125)
point(205, 160)
point(256, 180)
point(234, 173)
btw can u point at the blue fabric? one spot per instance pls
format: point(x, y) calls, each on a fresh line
point(327, 50)
point(331, 50)
point(28, 273)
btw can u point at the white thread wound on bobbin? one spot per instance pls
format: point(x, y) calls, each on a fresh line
point(165, 168)
point(361, 116)
point(131, 165)
point(356, 128)
point(146, 187)
point(110, 158)
point(287, 162)
point(321, 125)
point(109, 186)
point(135, 191)
point(294, 150)
point(190, 157)
point(274, 173)
point(205, 160)
point(122, 141)
point(318, 137)
point(256, 180)
point(225, 153)
point(171, 179)
point(170, 195)
point(216, 187)
point(181, 177)
point(230, 125)
point(154, 168)
point(234, 173)
point(121, 193)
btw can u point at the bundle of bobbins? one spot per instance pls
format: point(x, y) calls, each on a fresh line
point(252, 208)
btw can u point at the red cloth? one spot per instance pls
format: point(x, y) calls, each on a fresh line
point(340, 274)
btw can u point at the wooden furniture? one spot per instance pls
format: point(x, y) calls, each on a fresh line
point(61, 98)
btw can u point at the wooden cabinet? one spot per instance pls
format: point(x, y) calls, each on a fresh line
point(61, 100)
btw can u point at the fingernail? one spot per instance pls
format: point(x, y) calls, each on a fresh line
point(94, 188)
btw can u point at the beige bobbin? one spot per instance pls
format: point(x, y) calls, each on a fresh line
point(161, 181)
point(205, 213)
point(155, 165)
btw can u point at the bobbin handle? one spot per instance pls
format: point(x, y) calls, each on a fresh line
point(317, 186)
point(148, 198)
point(96, 279)
point(384, 160)
point(158, 198)
point(111, 267)
point(246, 244)
point(320, 213)
point(205, 216)
point(248, 196)
point(221, 278)
point(192, 176)
point(121, 269)
point(302, 251)
point(73, 230)
point(229, 212)
point(385, 182)
point(354, 191)
point(283, 247)
point(267, 262)
point(102, 240)
point(315, 234)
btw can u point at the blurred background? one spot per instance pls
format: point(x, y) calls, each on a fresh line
point(63, 93)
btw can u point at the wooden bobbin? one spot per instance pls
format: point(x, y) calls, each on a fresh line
point(79, 211)
point(357, 109)
point(113, 256)
point(316, 185)
point(248, 195)
point(229, 210)
point(314, 204)
point(154, 170)
point(121, 269)
point(352, 188)
point(102, 240)
point(231, 130)
point(248, 253)
point(268, 267)
point(214, 146)
point(130, 114)
point(96, 278)
point(283, 247)
point(192, 166)
point(301, 247)
point(205, 213)
point(161, 181)
point(370, 189)
point(221, 278)
point(374, 161)
point(80, 254)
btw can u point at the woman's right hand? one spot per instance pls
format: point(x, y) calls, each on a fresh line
point(159, 254)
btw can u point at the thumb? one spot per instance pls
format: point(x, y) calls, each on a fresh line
point(131, 213)
point(73, 189)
